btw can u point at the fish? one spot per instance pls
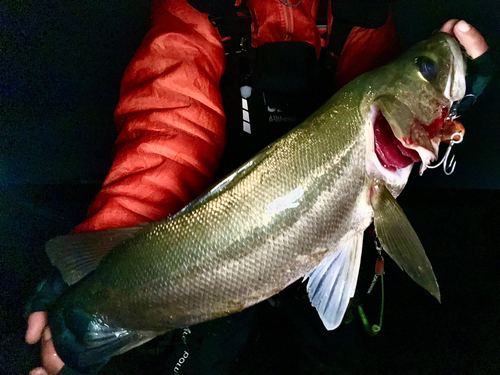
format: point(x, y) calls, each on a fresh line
point(297, 209)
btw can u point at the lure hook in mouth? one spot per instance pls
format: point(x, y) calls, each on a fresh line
point(421, 145)
point(449, 167)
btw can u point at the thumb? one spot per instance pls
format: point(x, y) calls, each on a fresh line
point(470, 38)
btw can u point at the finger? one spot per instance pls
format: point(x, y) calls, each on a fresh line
point(50, 360)
point(448, 26)
point(38, 371)
point(36, 323)
point(471, 39)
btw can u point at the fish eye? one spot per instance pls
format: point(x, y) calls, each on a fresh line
point(427, 67)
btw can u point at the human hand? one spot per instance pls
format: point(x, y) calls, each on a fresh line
point(46, 293)
point(469, 37)
point(39, 330)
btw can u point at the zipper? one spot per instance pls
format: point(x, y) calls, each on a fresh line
point(289, 18)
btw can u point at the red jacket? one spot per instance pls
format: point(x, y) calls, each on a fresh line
point(170, 119)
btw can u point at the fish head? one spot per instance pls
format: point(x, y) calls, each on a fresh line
point(409, 103)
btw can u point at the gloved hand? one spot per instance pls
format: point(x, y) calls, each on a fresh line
point(480, 69)
point(47, 292)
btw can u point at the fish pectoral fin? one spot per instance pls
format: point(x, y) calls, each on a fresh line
point(333, 282)
point(400, 241)
point(86, 343)
point(77, 255)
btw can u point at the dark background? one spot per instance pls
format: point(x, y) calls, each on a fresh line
point(60, 69)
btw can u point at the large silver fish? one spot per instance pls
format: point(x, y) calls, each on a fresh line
point(297, 209)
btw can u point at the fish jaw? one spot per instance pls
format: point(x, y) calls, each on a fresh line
point(391, 160)
point(413, 139)
point(416, 105)
point(409, 139)
point(455, 86)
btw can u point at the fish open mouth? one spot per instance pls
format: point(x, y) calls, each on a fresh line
point(421, 145)
point(391, 153)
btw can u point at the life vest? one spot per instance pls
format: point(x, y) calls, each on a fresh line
point(277, 75)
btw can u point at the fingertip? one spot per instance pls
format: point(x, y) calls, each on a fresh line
point(470, 39)
point(36, 323)
point(462, 26)
point(448, 26)
point(47, 335)
point(38, 371)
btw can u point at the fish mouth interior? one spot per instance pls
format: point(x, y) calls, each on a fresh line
point(393, 154)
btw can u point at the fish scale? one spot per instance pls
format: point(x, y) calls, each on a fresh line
point(201, 271)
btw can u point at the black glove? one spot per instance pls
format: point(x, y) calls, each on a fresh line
point(480, 71)
point(47, 292)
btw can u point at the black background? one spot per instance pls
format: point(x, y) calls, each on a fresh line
point(60, 69)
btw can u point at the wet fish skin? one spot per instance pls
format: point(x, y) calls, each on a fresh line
point(230, 250)
point(272, 221)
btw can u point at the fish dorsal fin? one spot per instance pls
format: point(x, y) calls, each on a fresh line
point(400, 241)
point(79, 254)
point(333, 282)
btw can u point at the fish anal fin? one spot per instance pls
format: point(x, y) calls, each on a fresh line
point(332, 283)
point(79, 254)
point(400, 241)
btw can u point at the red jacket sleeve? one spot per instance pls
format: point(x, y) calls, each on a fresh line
point(170, 117)
point(170, 122)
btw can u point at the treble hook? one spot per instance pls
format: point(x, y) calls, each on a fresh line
point(448, 168)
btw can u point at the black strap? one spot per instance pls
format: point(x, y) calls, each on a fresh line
point(369, 14)
point(480, 71)
point(347, 14)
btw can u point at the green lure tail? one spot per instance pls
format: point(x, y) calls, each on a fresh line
point(374, 329)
